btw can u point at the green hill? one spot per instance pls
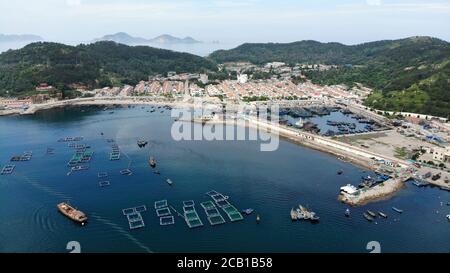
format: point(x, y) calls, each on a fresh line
point(95, 65)
point(410, 74)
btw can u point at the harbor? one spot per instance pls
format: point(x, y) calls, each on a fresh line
point(237, 174)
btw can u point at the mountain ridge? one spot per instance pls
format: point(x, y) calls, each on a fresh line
point(125, 38)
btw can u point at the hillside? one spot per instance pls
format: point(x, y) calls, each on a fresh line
point(95, 65)
point(410, 74)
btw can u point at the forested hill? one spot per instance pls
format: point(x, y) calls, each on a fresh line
point(95, 65)
point(409, 74)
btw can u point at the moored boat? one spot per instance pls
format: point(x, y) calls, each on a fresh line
point(382, 214)
point(72, 213)
point(248, 211)
point(371, 213)
point(368, 217)
point(448, 217)
point(152, 162)
point(397, 210)
point(169, 181)
point(293, 214)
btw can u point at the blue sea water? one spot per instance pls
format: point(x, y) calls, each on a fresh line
point(270, 182)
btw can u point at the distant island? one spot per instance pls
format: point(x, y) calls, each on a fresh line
point(165, 39)
point(13, 38)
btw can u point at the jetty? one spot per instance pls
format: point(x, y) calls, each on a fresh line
point(357, 197)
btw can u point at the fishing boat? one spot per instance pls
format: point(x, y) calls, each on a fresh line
point(72, 213)
point(371, 213)
point(382, 214)
point(448, 217)
point(397, 210)
point(347, 212)
point(293, 214)
point(152, 162)
point(142, 143)
point(306, 214)
point(169, 181)
point(248, 211)
point(368, 217)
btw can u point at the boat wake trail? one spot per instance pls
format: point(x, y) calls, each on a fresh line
point(121, 231)
point(33, 182)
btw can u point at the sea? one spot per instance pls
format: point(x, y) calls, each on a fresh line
point(271, 183)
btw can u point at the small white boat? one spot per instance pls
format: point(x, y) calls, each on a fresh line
point(448, 217)
point(169, 181)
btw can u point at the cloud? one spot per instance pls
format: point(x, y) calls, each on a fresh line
point(73, 3)
point(374, 2)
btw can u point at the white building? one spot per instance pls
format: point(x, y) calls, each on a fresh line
point(441, 154)
point(204, 78)
point(242, 78)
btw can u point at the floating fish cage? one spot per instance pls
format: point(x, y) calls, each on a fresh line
point(212, 213)
point(160, 204)
point(166, 220)
point(126, 172)
point(135, 220)
point(211, 193)
point(134, 216)
point(79, 168)
point(69, 139)
point(218, 197)
point(8, 169)
point(102, 175)
point(189, 203)
point(114, 156)
point(163, 212)
point(232, 213)
point(187, 209)
point(50, 151)
point(26, 156)
point(192, 218)
point(104, 183)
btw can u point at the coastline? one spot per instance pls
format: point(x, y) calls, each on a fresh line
point(342, 151)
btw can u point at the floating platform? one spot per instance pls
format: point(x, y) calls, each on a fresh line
point(232, 213)
point(114, 156)
point(211, 193)
point(191, 217)
point(102, 175)
point(134, 216)
point(8, 169)
point(166, 220)
point(212, 213)
point(163, 212)
point(126, 172)
point(104, 183)
point(135, 220)
point(139, 209)
point(160, 204)
point(189, 203)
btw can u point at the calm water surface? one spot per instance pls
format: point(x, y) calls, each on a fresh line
point(270, 182)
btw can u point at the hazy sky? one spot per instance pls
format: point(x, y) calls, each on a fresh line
point(347, 21)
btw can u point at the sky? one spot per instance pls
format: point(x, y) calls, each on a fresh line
point(232, 21)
